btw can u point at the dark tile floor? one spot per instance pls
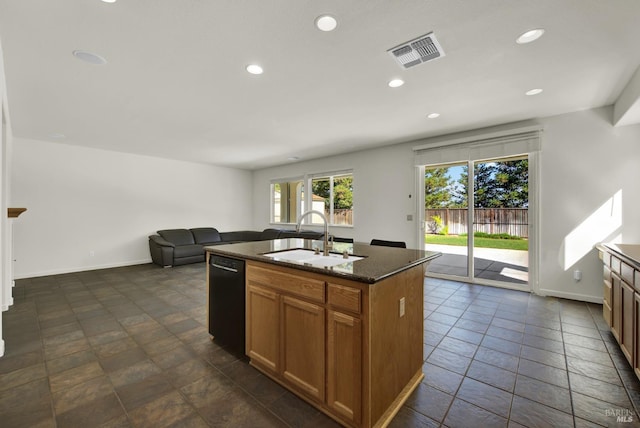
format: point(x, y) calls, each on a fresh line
point(129, 347)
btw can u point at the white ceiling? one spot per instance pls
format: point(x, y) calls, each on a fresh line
point(175, 84)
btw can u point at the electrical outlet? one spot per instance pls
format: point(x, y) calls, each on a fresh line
point(401, 307)
point(409, 217)
point(577, 275)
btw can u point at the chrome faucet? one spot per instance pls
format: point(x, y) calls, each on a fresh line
point(326, 245)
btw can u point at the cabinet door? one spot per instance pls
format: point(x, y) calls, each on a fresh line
point(263, 327)
point(616, 307)
point(344, 365)
point(303, 346)
point(606, 302)
point(627, 334)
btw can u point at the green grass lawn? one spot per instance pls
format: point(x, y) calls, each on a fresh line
point(461, 240)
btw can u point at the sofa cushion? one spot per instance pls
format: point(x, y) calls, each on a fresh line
point(177, 236)
point(205, 235)
point(268, 234)
point(306, 234)
point(187, 251)
point(241, 236)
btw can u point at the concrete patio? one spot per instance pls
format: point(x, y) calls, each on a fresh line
point(510, 266)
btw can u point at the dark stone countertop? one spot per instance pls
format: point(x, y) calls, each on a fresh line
point(629, 252)
point(378, 262)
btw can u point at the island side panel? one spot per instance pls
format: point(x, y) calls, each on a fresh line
point(395, 342)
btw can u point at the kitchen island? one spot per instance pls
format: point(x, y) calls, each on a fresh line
point(343, 332)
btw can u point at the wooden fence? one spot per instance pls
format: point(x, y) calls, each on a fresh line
point(513, 221)
point(341, 216)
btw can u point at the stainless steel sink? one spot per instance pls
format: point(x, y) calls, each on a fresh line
point(308, 257)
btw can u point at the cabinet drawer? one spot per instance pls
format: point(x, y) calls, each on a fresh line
point(607, 293)
point(606, 258)
point(312, 289)
point(606, 273)
point(626, 272)
point(345, 297)
point(615, 265)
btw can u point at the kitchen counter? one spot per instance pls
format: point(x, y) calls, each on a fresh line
point(377, 264)
point(628, 252)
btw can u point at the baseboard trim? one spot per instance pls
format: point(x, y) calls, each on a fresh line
point(82, 269)
point(1, 347)
point(571, 296)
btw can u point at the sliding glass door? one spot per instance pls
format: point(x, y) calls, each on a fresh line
point(446, 219)
point(500, 220)
point(476, 215)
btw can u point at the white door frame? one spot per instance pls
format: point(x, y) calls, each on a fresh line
point(534, 233)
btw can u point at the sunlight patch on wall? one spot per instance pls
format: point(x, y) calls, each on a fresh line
point(600, 226)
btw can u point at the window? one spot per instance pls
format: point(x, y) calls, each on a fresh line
point(331, 194)
point(287, 201)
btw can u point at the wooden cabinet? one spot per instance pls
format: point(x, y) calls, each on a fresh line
point(315, 335)
point(344, 351)
point(344, 361)
point(607, 302)
point(302, 346)
point(263, 333)
point(289, 336)
point(616, 307)
point(621, 303)
point(285, 334)
point(627, 318)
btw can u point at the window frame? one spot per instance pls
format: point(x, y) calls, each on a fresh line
point(307, 180)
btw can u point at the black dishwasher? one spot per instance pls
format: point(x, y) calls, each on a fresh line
point(226, 303)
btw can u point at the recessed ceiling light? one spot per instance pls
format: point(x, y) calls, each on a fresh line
point(108, 1)
point(530, 36)
point(89, 57)
point(396, 83)
point(534, 91)
point(254, 69)
point(293, 158)
point(433, 115)
point(326, 23)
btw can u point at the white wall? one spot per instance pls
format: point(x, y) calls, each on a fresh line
point(584, 162)
point(590, 193)
point(81, 200)
point(383, 178)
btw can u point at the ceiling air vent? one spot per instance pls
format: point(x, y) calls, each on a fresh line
point(423, 49)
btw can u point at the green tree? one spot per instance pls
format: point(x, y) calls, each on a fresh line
point(484, 187)
point(436, 188)
point(503, 184)
point(342, 191)
point(513, 179)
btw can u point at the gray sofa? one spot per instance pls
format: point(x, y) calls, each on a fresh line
point(173, 247)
